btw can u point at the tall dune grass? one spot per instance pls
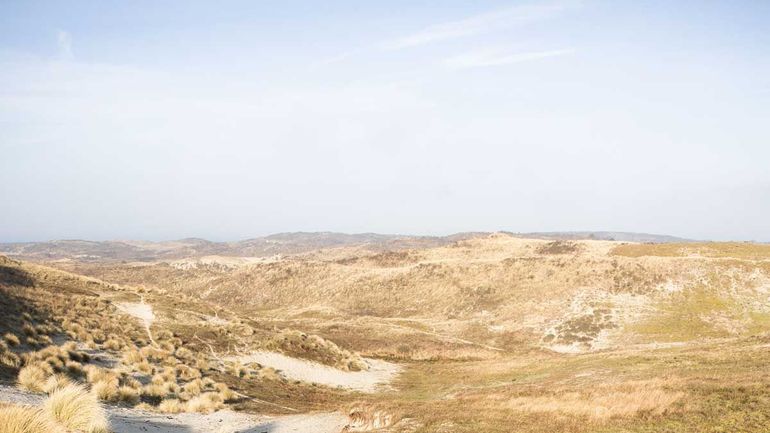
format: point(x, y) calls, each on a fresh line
point(76, 409)
point(17, 419)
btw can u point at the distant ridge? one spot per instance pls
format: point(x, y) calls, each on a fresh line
point(605, 236)
point(279, 243)
point(274, 244)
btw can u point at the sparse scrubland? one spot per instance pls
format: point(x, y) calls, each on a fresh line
point(493, 333)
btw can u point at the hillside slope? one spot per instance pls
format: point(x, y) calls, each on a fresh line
point(144, 353)
point(566, 295)
point(492, 333)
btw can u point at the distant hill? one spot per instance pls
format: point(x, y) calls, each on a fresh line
point(605, 236)
point(275, 244)
point(280, 243)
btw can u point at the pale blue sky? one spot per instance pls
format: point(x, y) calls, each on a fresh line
point(227, 120)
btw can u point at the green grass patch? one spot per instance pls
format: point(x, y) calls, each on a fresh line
point(683, 317)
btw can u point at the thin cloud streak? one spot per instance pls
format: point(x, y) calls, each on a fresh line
point(486, 58)
point(478, 23)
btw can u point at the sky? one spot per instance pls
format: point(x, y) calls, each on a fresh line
point(233, 119)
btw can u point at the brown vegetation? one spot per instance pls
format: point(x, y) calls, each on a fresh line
point(657, 337)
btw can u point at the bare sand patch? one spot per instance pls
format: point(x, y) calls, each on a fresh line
point(379, 374)
point(141, 311)
point(133, 421)
point(125, 420)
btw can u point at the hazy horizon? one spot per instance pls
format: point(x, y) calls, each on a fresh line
point(167, 120)
point(513, 232)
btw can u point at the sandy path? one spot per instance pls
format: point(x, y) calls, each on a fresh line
point(141, 311)
point(124, 420)
point(133, 421)
point(380, 373)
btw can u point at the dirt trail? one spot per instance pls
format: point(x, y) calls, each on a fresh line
point(132, 421)
point(125, 420)
point(141, 311)
point(380, 373)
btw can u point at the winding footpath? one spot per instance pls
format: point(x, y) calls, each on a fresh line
point(141, 311)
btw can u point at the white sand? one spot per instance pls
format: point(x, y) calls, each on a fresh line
point(380, 373)
point(124, 420)
point(141, 311)
point(132, 421)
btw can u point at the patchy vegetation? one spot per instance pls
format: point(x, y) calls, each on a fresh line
point(493, 334)
point(316, 348)
point(559, 247)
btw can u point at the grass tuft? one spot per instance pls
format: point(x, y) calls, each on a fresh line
point(32, 378)
point(205, 403)
point(11, 339)
point(171, 405)
point(17, 419)
point(76, 409)
point(56, 382)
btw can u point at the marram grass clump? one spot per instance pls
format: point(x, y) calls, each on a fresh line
point(18, 419)
point(76, 409)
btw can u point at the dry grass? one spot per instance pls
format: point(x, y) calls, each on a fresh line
point(56, 382)
point(368, 417)
point(184, 353)
point(113, 344)
point(11, 339)
point(96, 374)
point(601, 405)
point(225, 391)
point(106, 391)
point(97, 324)
point(205, 403)
point(171, 405)
point(143, 367)
point(132, 357)
point(153, 391)
point(128, 395)
point(74, 368)
point(735, 250)
point(32, 378)
point(237, 369)
point(76, 409)
point(10, 359)
point(316, 348)
point(558, 247)
point(18, 419)
point(188, 373)
point(192, 389)
point(29, 330)
point(145, 407)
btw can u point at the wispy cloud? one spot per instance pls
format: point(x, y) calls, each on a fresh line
point(64, 43)
point(479, 23)
point(335, 58)
point(493, 57)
